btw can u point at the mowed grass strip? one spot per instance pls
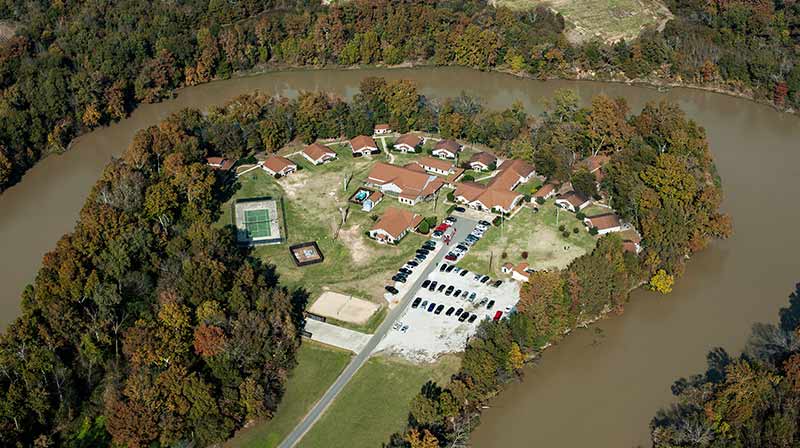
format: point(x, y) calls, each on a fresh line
point(317, 368)
point(375, 403)
point(535, 233)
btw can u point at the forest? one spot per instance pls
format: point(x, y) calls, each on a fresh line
point(660, 177)
point(746, 400)
point(74, 65)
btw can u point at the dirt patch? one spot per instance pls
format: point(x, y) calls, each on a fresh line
point(548, 250)
point(343, 307)
point(353, 239)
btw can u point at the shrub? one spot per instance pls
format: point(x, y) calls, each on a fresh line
point(562, 227)
point(467, 178)
point(540, 200)
point(580, 215)
point(527, 198)
point(524, 255)
point(373, 217)
point(424, 227)
point(575, 230)
point(450, 209)
point(593, 231)
point(451, 196)
point(496, 221)
point(565, 234)
point(504, 255)
point(432, 220)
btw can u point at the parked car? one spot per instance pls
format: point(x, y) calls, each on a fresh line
point(463, 273)
point(400, 278)
point(424, 304)
point(490, 305)
point(421, 257)
point(497, 283)
point(449, 290)
point(473, 295)
point(441, 287)
point(416, 302)
point(483, 301)
point(459, 311)
point(507, 309)
point(405, 271)
point(470, 320)
point(460, 209)
point(450, 268)
point(439, 309)
point(437, 234)
point(426, 283)
point(443, 267)
point(412, 263)
point(463, 317)
point(477, 277)
point(405, 328)
point(433, 285)
point(449, 311)
point(465, 294)
point(497, 315)
point(443, 226)
point(484, 223)
point(457, 293)
point(391, 289)
point(432, 305)
point(423, 251)
point(484, 279)
point(450, 220)
point(451, 257)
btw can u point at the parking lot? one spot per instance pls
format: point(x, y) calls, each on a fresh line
point(440, 321)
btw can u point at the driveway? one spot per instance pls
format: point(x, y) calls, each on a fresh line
point(337, 336)
point(463, 227)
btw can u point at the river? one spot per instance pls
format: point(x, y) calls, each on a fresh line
point(600, 386)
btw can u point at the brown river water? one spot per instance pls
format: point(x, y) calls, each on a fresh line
point(601, 386)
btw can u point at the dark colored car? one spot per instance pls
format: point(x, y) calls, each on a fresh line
point(405, 271)
point(392, 289)
point(462, 247)
point(441, 287)
point(439, 309)
point(457, 293)
point(484, 279)
point(416, 301)
point(450, 257)
point(463, 272)
point(413, 263)
point(450, 268)
point(459, 311)
point(449, 290)
point(490, 305)
point(460, 209)
point(463, 317)
point(472, 318)
point(443, 267)
point(431, 306)
point(497, 283)
point(400, 278)
point(497, 315)
point(485, 223)
point(449, 311)
point(423, 251)
point(426, 283)
point(432, 286)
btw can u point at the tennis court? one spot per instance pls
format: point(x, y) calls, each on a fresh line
point(257, 223)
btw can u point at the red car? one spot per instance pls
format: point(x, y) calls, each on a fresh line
point(442, 227)
point(497, 315)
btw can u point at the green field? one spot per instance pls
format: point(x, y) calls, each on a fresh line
point(609, 20)
point(354, 264)
point(375, 403)
point(317, 368)
point(535, 233)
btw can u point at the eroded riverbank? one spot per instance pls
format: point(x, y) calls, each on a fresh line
point(601, 385)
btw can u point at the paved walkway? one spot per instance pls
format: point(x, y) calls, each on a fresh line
point(337, 336)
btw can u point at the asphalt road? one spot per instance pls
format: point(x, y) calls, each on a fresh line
point(463, 227)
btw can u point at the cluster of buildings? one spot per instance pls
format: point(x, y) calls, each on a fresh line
point(498, 194)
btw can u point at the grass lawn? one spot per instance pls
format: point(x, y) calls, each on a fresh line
point(607, 19)
point(317, 368)
point(536, 233)
point(375, 403)
point(354, 264)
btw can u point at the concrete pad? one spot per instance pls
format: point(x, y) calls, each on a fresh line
point(343, 307)
point(337, 336)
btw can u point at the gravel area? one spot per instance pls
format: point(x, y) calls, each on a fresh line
point(429, 335)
